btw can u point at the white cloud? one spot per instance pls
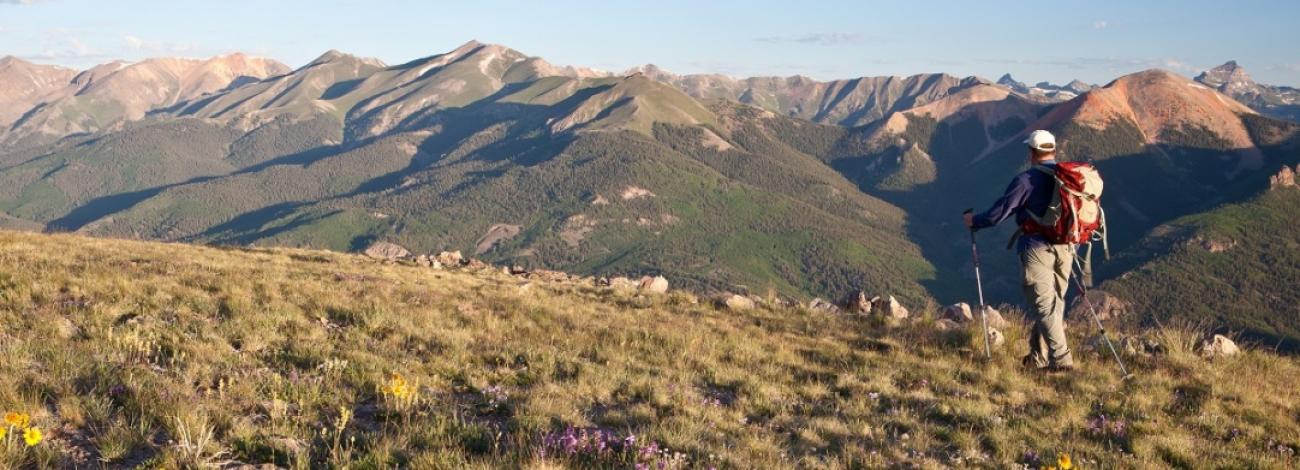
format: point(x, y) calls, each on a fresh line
point(19, 2)
point(62, 45)
point(1177, 65)
point(1100, 24)
point(135, 43)
point(823, 39)
point(1104, 63)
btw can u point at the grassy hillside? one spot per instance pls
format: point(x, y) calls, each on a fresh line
point(132, 354)
point(1246, 284)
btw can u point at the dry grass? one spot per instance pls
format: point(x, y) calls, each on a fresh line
point(152, 355)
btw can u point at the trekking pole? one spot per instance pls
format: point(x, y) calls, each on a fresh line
point(1097, 318)
point(979, 286)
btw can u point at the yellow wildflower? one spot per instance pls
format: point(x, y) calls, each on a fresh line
point(17, 420)
point(32, 436)
point(3, 432)
point(398, 387)
point(1063, 461)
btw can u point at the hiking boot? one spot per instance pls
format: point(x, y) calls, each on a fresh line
point(1030, 363)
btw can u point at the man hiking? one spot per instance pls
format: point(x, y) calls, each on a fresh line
point(1046, 267)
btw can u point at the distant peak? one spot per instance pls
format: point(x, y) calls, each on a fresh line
point(334, 55)
point(330, 56)
point(8, 61)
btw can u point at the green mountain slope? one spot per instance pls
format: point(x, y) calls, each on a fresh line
point(1234, 268)
point(486, 150)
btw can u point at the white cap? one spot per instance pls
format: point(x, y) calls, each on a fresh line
point(1041, 140)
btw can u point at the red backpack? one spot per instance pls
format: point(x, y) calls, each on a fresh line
point(1075, 216)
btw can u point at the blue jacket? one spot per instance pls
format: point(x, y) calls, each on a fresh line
point(1028, 191)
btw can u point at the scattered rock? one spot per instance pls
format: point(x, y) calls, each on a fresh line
point(386, 250)
point(858, 303)
point(654, 285)
point(549, 276)
point(1284, 178)
point(515, 270)
point(1213, 246)
point(1108, 306)
point(889, 308)
point(450, 258)
point(994, 317)
point(1219, 346)
point(622, 283)
point(958, 312)
point(738, 302)
point(1136, 346)
point(946, 324)
point(996, 338)
point(424, 261)
point(821, 305)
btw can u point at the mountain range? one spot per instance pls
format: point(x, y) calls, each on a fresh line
point(1277, 101)
point(785, 185)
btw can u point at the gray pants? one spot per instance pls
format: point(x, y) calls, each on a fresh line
point(1047, 274)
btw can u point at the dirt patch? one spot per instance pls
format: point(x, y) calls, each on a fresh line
point(634, 192)
point(714, 141)
point(575, 229)
point(496, 234)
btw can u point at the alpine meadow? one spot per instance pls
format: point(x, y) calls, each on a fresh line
point(482, 259)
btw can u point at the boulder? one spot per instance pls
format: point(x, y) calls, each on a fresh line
point(387, 251)
point(889, 308)
point(516, 270)
point(1107, 305)
point(1219, 346)
point(738, 302)
point(946, 324)
point(993, 317)
point(996, 338)
point(858, 303)
point(958, 312)
point(1135, 346)
point(450, 258)
point(654, 285)
point(1283, 179)
point(821, 305)
point(426, 261)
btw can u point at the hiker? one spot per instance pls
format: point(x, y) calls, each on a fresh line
point(1046, 267)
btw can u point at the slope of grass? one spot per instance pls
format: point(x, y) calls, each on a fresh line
point(132, 354)
point(1249, 286)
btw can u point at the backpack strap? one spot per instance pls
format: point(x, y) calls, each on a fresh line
point(1086, 275)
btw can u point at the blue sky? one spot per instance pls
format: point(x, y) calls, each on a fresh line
point(1044, 40)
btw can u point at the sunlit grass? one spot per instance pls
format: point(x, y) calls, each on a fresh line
point(128, 354)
